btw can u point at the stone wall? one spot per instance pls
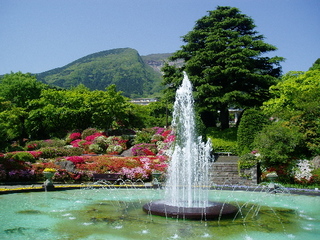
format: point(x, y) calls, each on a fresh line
point(226, 173)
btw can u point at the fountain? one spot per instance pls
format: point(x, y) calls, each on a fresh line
point(188, 183)
point(115, 213)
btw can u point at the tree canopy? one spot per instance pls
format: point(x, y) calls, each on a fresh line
point(296, 100)
point(59, 111)
point(224, 59)
point(19, 88)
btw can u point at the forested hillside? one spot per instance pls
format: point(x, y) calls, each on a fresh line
point(123, 67)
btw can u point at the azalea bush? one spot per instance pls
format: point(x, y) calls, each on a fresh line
point(94, 141)
point(21, 175)
point(303, 172)
point(52, 152)
point(34, 145)
point(82, 149)
point(143, 149)
point(158, 144)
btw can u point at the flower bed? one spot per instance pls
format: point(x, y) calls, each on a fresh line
point(100, 158)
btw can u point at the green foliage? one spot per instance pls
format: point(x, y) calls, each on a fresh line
point(223, 140)
point(144, 136)
point(296, 100)
point(122, 67)
point(223, 58)
point(52, 152)
point(11, 122)
point(278, 144)
point(316, 65)
point(96, 148)
point(246, 161)
point(78, 108)
point(252, 121)
point(37, 144)
point(20, 88)
point(88, 132)
point(316, 176)
point(24, 156)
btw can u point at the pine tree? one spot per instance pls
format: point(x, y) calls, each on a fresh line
point(223, 58)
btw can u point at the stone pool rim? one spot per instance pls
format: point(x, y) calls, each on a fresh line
point(23, 188)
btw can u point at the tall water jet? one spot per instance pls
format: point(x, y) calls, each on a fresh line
point(188, 181)
point(186, 192)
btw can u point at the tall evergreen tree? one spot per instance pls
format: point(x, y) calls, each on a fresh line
point(223, 58)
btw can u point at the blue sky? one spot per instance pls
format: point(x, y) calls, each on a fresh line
point(39, 35)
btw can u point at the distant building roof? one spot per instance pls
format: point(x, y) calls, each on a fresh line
point(143, 101)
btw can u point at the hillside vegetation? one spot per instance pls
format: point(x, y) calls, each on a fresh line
point(123, 67)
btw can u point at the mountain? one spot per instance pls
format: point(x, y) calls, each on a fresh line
point(156, 61)
point(123, 67)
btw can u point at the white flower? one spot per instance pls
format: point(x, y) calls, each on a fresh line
point(303, 170)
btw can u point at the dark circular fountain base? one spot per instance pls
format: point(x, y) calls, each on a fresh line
point(215, 210)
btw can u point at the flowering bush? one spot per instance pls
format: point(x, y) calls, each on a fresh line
point(114, 149)
point(73, 136)
point(144, 136)
point(303, 171)
point(95, 148)
point(78, 143)
point(135, 173)
point(92, 137)
point(21, 175)
point(52, 152)
point(143, 149)
point(89, 131)
point(33, 145)
point(50, 170)
point(61, 176)
point(76, 159)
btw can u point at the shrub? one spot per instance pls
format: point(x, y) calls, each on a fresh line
point(316, 176)
point(252, 121)
point(303, 172)
point(73, 136)
point(223, 140)
point(22, 174)
point(246, 161)
point(277, 144)
point(24, 156)
point(144, 149)
point(51, 152)
point(89, 131)
point(95, 148)
point(76, 159)
point(114, 149)
point(33, 145)
point(144, 136)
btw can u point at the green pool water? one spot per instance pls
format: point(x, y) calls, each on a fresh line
point(117, 214)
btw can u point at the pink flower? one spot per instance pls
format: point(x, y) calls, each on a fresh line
point(76, 142)
point(75, 159)
point(93, 136)
point(170, 138)
point(74, 136)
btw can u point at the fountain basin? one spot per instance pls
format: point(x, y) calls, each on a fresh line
point(214, 211)
point(109, 213)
